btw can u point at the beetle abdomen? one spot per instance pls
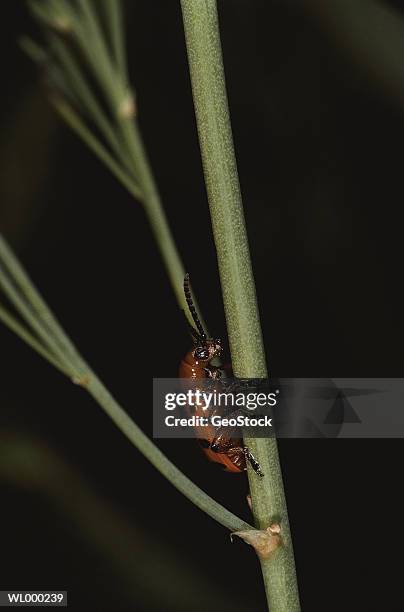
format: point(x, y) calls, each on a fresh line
point(230, 454)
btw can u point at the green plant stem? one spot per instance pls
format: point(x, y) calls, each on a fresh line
point(17, 328)
point(88, 100)
point(156, 457)
point(27, 312)
point(26, 298)
point(31, 305)
point(73, 120)
point(143, 562)
point(114, 25)
point(137, 177)
point(154, 210)
point(133, 143)
point(146, 191)
point(132, 167)
point(94, 47)
point(248, 358)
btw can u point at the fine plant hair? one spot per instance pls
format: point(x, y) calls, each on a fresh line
point(87, 79)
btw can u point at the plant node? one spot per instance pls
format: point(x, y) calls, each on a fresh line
point(81, 381)
point(62, 24)
point(127, 108)
point(264, 541)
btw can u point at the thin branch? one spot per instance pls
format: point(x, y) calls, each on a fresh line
point(30, 464)
point(42, 11)
point(134, 147)
point(93, 46)
point(28, 313)
point(55, 337)
point(158, 459)
point(74, 121)
point(115, 27)
point(86, 33)
point(88, 100)
point(17, 328)
point(27, 299)
point(243, 325)
point(33, 50)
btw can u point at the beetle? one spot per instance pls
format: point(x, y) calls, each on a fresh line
point(197, 364)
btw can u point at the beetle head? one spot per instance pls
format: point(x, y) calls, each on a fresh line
point(207, 350)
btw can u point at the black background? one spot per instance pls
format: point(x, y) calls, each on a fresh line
point(319, 141)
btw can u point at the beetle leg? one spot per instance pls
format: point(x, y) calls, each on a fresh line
point(213, 372)
point(221, 443)
point(252, 461)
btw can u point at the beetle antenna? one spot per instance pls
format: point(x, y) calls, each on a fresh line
point(192, 309)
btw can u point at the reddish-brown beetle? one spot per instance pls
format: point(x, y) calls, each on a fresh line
point(216, 444)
